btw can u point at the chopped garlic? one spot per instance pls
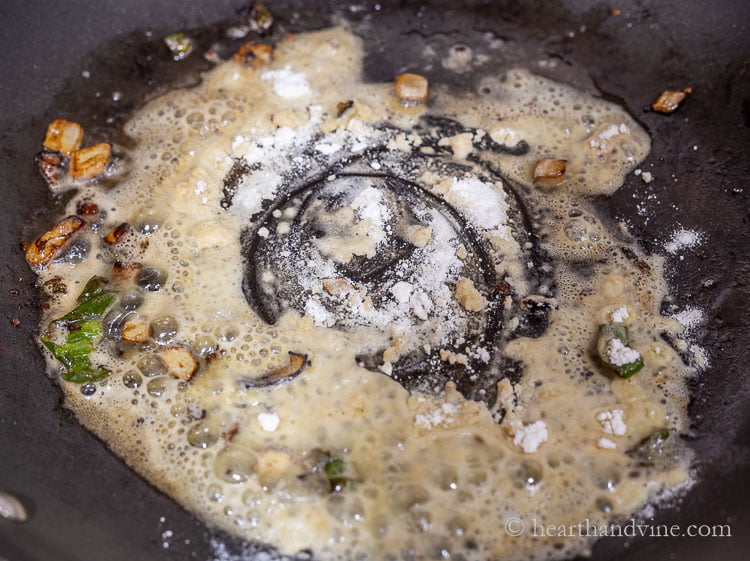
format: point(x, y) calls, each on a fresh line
point(63, 136)
point(550, 172)
point(668, 101)
point(136, 331)
point(412, 87)
point(91, 161)
point(179, 362)
point(272, 463)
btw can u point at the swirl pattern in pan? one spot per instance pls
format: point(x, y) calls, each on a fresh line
point(362, 246)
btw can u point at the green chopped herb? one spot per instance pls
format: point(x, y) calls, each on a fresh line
point(627, 370)
point(609, 332)
point(658, 449)
point(615, 331)
point(75, 353)
point(180, 45)
point(335, 468)
point(84, 330)
point(261, 18)
point(337, 473)
point(92, 308)
point(93, 287)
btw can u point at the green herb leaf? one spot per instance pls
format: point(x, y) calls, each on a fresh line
point(179, 44)
point(335, 468)
point(261, 18)
point(658, 449)
point(337, 474)
point(615, 331)
point(84, 330)
point(92, 308)
point(75, 353)
point(627, 370)
point(93, 287)
point(609, 332)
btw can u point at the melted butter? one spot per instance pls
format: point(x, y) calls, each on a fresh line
point(434, 474)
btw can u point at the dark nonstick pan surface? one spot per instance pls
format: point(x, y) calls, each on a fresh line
point(86, 504)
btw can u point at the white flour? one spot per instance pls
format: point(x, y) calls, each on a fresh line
point(288, 84)
point(484, 205)
point(683, 239)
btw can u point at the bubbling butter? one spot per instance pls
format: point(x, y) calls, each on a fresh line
point(216, 187)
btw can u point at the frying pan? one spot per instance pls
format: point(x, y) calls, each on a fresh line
point(85, 504)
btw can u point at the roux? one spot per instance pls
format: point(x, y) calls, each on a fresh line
point(213, 186)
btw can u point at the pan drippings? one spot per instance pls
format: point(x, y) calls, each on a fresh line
point(396, 331)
